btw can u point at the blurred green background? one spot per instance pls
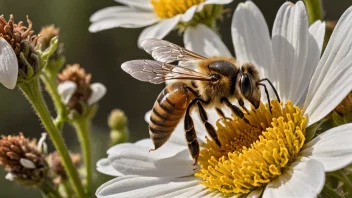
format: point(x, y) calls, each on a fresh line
point(100, 54)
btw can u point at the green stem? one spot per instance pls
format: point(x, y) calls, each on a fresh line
point(82, 126)
point(48, 190)
point(314, 10)
point(329, 192)
point(51, 87)
point(67, 188)
point(32, 91)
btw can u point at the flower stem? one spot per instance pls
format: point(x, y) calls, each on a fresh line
point(329, 192)
point(51, 87)
point(48, 190)
point(82, 125)
point(67, 188)
point(32, 91)
point(314, 10)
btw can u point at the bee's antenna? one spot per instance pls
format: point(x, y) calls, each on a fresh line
point(272, 86)
point(267, 95)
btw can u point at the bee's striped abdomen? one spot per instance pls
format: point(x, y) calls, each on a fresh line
point(168, 110)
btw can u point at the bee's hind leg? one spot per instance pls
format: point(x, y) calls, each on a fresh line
point(191, 136)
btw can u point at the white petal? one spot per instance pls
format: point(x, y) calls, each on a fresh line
point(315, 44)
point(301, 179)
point(218, 1)
point(188, 15)
point(66, 90)
point(317, 29)
point(256, 193)
point(204, 41)
point(147, 116)
point(98, 92)
point(290, 47)
point(41, 145)
point(143, 146)
point(8, 65)
point(251, 39)
point(194, 191)
point(104, 166)
point(159, 30)
point(10, 177)
point(140, 4)
point(120, 16)
point(331, 81)
point(137, 160)
point(131, 186)
point(332, 148)
point(26, 163)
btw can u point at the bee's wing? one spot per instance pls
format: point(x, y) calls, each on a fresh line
point(157, 72)
point(167, 52)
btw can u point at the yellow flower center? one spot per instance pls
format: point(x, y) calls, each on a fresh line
point(252, 156)
point(170, 8)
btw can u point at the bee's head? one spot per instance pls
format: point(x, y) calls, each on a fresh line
point(248, 84)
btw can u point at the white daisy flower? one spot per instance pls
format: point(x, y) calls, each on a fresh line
point(161, 15)
point(275, 162)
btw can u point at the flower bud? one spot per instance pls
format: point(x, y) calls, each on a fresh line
point(117, 119)
point(117, 122)
point(57, 59)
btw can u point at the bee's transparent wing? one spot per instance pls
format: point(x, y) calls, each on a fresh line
point(157, 72)
point(167, 52)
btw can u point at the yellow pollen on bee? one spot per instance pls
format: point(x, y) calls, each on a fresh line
point(252, 156)
point(170, 8)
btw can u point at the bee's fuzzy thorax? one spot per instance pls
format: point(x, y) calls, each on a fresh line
point(221, 88)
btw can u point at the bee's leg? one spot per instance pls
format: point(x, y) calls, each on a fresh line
point(267, 95)
point(221, 113)
point(241, 102)
point(191, 136)
point(210, 129)
point(237, 111)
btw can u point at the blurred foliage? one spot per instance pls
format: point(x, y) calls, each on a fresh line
point(101, 54)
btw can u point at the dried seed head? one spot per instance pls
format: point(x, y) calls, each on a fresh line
point(15, 34)
point(22, 40)
point(77, 75)
point(56, 166)
point(22, 159)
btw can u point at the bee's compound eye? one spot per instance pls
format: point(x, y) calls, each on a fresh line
point(246, 86)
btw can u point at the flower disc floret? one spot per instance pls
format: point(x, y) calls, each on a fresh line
point(253, 155)
point(170, 8)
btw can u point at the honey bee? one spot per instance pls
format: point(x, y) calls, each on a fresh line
point(214, 82)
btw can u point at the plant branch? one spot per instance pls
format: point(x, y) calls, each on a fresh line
point(82, 125)
point(33, 93)
point(315, 10)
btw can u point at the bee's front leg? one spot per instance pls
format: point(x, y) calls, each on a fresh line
point(236, 110)
point(209, 127)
